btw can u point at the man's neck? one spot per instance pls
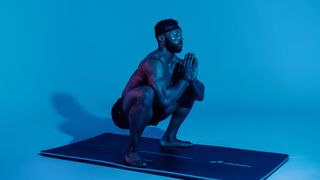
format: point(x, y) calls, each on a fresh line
point(166, 55)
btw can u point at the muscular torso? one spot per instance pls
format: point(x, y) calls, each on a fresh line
point(140, 75)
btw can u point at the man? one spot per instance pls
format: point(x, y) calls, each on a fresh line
point(162, 85)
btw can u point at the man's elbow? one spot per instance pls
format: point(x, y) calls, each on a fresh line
point(200, 96)
point(164, 103)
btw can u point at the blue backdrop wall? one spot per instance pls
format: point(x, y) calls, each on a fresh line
point(253, 54)
point(71, 59)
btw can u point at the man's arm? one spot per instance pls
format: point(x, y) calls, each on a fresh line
point(196, 85)
point(165, 94)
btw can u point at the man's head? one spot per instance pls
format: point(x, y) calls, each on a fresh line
point(169, 34)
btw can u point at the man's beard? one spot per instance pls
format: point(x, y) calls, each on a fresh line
point(173, 48)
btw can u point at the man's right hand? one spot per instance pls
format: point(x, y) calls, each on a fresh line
point(190, 67)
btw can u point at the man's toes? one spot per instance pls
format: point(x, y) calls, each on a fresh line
point(187, 142)
point(163, 142)
point(143, 163)
point(175, 143)
point(136, 163)
point(139, 163)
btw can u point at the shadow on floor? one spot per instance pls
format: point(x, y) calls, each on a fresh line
point(80, 124)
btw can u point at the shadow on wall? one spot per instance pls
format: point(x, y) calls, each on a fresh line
point(80, 124)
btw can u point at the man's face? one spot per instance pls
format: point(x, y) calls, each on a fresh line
point(174, 41)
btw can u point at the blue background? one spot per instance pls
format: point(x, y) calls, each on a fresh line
point(64, 63)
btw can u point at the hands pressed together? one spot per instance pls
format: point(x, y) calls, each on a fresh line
point(189, 68)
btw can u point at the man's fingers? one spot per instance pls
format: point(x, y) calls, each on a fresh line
point(195, 72)
point(194, 61)
point(185, 60)
point(190, 59)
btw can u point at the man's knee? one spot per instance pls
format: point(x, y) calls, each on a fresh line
point(147, 96)
point(145, 101)
point(187, 99)
point(140, 96)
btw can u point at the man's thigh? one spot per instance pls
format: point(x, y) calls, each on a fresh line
point(134, 95)
point(160, 114)
point(185, 101)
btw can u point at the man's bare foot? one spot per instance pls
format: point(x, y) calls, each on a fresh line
point(134, 159)
point(166, 142)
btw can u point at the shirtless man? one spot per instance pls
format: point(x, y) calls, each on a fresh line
point(162, 85)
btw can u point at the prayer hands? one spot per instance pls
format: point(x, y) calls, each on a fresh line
point(190, 67)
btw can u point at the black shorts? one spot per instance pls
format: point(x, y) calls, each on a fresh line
point(119, 117)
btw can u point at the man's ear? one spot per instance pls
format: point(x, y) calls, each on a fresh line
point(161, 38)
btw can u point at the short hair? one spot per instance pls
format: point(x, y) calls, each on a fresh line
point(164, 26)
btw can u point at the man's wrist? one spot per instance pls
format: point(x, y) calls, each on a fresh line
point(192, 81)
point(186, 80)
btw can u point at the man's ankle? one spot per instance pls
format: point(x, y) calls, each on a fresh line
point(132, 150)
point(168, 138)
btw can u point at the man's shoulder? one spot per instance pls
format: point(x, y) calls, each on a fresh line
point(152, 65)
point(153, 60)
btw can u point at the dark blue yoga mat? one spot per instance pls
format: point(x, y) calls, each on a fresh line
point(197, 162)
